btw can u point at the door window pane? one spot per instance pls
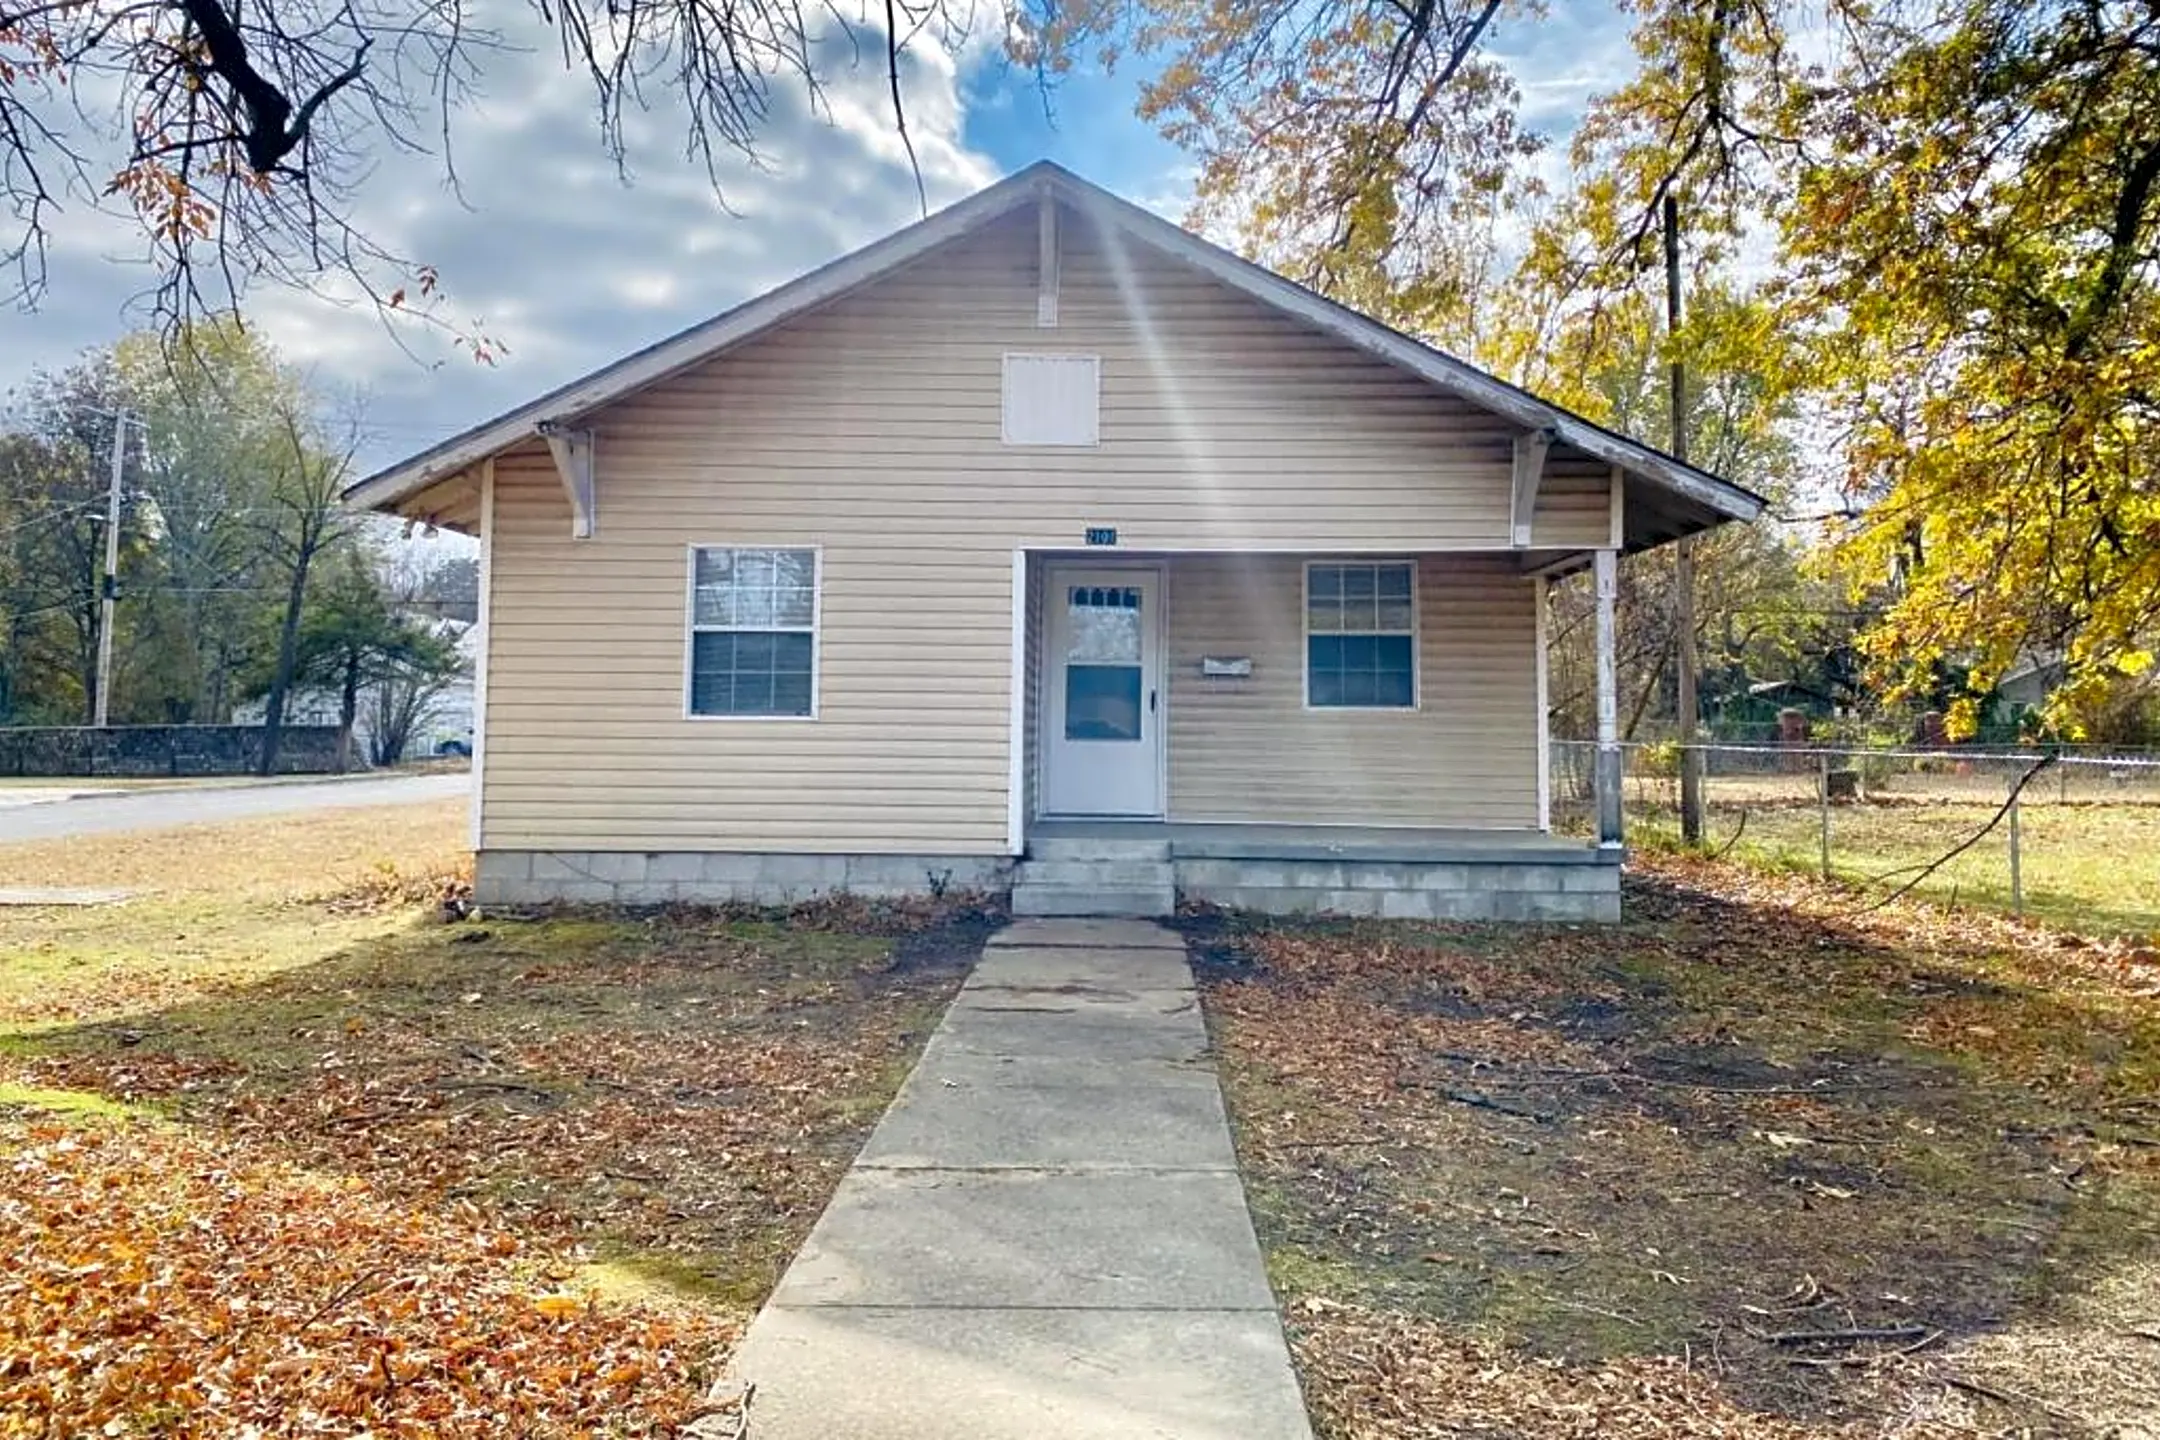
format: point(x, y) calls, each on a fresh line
point(1103, 623)
point(1102, 702)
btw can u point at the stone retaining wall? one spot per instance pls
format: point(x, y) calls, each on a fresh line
point(163, 750)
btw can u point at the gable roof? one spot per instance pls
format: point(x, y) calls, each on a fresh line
point(703, 341)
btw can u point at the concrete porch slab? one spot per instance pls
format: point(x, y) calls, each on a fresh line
point(1202, 840)
point(999, 1374)
point(1112, 1240)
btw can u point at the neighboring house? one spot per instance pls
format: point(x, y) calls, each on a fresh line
point(2028, 683)
point(446, 726)
point(1040, 542)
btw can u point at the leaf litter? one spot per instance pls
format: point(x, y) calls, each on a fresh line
point(512, 1176)
point(1750, 1164)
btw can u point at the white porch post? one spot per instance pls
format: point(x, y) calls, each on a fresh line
point(1608, 701)
point(1539, 597)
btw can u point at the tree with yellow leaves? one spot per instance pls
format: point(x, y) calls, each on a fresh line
point(1950, 204)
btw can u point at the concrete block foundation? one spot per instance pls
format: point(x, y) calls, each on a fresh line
point(1557, 888)
point(1534, 884)
point(672, 877)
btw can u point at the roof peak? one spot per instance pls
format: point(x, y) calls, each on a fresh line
point(860, 267)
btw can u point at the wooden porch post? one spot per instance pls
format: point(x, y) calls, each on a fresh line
point(1608, 701)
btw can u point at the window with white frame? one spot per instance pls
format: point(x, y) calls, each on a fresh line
point(753, 631)
point(1361, 635)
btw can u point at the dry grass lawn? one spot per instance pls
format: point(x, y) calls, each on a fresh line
point(1749, 1165)
point(2092, 868)
point(285, 1149)
point(216, 905)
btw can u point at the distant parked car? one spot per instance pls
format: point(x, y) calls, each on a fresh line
point(454, 747)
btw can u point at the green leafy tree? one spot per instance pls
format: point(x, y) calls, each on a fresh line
point(54, 472)
point(353, 642)
point(211, 413)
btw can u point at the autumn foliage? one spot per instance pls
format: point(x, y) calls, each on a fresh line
point(155, 1281)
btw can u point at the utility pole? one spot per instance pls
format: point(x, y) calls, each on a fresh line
point(1689, 707)
point(110, 590)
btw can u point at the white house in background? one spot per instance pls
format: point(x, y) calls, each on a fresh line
point(1045, 545)
point(446, 726)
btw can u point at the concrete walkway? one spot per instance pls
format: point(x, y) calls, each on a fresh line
point(1046, 1236)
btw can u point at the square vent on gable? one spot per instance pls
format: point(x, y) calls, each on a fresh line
point(1053, 400)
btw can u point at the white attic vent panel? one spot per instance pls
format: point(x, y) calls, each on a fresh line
point(1053, 399)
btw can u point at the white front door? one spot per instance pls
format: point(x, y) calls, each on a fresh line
point(1102, 685)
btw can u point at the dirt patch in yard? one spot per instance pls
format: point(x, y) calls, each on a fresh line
point(1750, 1158)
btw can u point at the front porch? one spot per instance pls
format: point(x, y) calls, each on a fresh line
point(1397, 872)
point(1359, 735)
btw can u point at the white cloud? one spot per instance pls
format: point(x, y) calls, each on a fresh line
point(552, 254)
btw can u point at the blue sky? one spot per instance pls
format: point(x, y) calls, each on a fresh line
point(1089, 128)
point(552, 254)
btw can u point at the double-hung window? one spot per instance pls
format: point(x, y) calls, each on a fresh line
point(753, 632)
point(1361, 635)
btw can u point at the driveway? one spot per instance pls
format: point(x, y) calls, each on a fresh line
point(111, 811)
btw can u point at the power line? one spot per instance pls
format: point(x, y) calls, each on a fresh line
point(48, 518)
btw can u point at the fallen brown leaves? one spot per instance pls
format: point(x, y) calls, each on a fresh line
point(156, 1282)
point(679, 1094)
point(392, 1154)
point(1564, 1180)
point(1394, 1377)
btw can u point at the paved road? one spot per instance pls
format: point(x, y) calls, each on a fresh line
point(158, 809)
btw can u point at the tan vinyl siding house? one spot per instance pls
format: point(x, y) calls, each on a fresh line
point(1164, 629)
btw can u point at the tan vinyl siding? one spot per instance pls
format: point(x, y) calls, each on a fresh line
point(588, 744)
point(871, 430)
point(1224, 425)
point(1248, 749)
point(1574, 505)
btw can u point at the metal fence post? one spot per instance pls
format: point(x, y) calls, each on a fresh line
point(2017, 867)
point(1822, 802)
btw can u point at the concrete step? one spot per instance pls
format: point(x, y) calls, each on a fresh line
point(1147, 902)
point(1116, 874)
point(1080, 847)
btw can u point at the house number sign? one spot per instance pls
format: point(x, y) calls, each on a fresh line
point(1102, 535)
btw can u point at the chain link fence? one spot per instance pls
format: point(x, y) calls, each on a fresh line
point(2070, 835)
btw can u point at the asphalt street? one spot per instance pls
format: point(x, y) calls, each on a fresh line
point(27, 814)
